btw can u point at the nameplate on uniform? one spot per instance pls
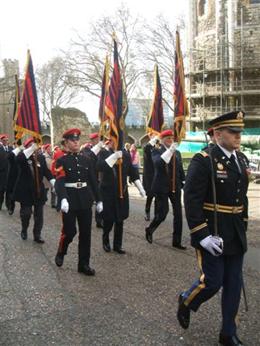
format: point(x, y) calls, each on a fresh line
point(222, 174)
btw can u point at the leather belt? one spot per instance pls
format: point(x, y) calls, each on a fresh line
point(77, 185)
point(220, 208)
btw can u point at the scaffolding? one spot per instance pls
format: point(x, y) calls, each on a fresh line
point(224, 70)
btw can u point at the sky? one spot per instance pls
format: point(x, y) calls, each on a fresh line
point(46, 26)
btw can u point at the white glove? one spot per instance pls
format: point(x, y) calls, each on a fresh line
point(214, 245)
point(167, 155)
point(52, 182)
point(64, 205)
point(111, 160)
point(139, 185)
point(99, 207)
point(17, 150)
point(29, 151)
point(96, 149)
point(154, 140)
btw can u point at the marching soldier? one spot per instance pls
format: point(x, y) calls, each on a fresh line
point(76, 188)
point(5, 150)
point(220, 256)
point(167, 184)
point(29, 189)
point(148, 173)
point(116, 209)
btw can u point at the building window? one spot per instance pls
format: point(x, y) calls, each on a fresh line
point(202, 7)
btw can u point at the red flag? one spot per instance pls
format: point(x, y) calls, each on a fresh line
point(113, 104)
point(180, 102)
point(156, 119)
point(28, 118)
point(104, 90)
point(17, 135)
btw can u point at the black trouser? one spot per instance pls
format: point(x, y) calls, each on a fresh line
point(69, 230)
point(148, 203)
point(6, 196)
point(161, 211)
point(118, 232)
point(25, 215)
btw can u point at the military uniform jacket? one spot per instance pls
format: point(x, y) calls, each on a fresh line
point(116, 209)
point(163, 172)
point(148, 171)
point(4, 166)
point(76, 168)
point(232, 205)
point(25, 187)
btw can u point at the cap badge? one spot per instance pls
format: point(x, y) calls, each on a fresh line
point(239, 115)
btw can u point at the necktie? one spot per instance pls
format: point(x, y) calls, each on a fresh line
point(234, 162)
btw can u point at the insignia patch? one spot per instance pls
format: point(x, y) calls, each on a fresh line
point(220, 166)
point(239, 115)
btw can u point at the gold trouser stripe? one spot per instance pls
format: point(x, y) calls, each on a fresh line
point(202, 285)
point(197, 228)
point(229, 209)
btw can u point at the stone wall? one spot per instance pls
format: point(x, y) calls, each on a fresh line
point(66, 118)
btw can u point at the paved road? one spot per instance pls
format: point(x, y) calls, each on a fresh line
point(131, 301)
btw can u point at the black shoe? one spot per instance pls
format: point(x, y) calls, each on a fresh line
point(106, 247)
point(147, 216)
point(10, 211)
point(148, 235)
point(85, 269)
point(24, 234)
point(183, 313)
point(39, 240)
point(59, 258)
point(229, 340)
point(178, 246)
point(119, 250)
point(53, 206)
point(99, 225)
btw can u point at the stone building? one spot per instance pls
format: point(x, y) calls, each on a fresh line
point(7, 95)
point(63, 119)
point(224, 59)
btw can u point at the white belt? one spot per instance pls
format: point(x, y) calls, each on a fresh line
point(78, 185)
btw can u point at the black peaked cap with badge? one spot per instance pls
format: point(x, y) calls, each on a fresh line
point(234, 121)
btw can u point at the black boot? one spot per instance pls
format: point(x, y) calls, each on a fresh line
point(229, 340)
point(106, 244)
point(24, 234)
point(85, 269)
point(148, 235)
point(59, 258)
point(183, 313)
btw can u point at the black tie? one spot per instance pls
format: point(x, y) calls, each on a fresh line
point(233, 161)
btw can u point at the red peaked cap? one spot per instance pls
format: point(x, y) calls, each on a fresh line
point(46, 146)
point(72, 134)
point(166, 133)
point(93, 135)
point(28, 141)
point(3, 136)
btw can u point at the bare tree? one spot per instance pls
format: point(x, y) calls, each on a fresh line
point(54, 89)
point(85, 59)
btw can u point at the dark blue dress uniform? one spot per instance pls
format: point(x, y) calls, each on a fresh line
point(231, 181)
point(30, 193)
point(76, 182)
point(116, 209)
point(167, 185)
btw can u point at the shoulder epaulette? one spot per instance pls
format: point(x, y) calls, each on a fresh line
point(204, 154)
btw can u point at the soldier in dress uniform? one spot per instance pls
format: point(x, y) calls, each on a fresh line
point(5, 150)
point(167, 184)
point(29, 189)
point(220, 257)
point(148, 172)
point(116, 209)
point(76, 188)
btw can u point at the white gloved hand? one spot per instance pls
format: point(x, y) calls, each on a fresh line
point(99, 207)
point(214, 245)
point(96, 149)
point(17, 150)
point(29, 151)
point(173, 147)
point(167, 155)
point(52, 182)
point(139, 185)
point(111, 160)
point(154, 140)
point(64, 205)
